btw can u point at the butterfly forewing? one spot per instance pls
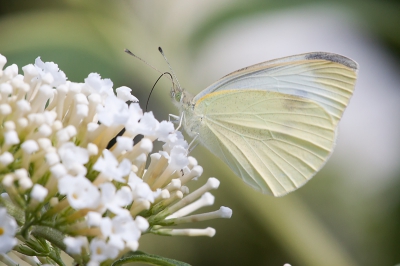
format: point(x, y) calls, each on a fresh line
point(327, 79)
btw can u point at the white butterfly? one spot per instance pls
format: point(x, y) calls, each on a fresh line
point(274, 124)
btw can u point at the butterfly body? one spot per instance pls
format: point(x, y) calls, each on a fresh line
point(274, 123)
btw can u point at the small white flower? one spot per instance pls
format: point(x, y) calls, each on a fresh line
point(114, 112)
point(65, 134)
point(30, 146)
point(123, 229)
point(10, 71)
point(135, 114)
point(21, 173)
point(26, 183)
point(140, 189)
point(178, 157)
point(5, 109)
point(52, 158)
point(6, 89)
point(81, 193)
point(8, 228)
point(93, 218)
point(147, 126)
point(70, 154)
point(58, 170)
point(8, 180)
point(123, 144)
point(141, 223)
point(3, 61)
point(30, 72)
point(75, 244)
point(58, 76)
point(94, 84)
point(174, 139)
point(92, 149)
point(101, 251)
point(73, 158)
point(23, 107)
point(124, 93)
point(110, 168)
point(108, 230)
point(114, 200)
point(6, 158)
point(11, 137)
point(39, 192)
point(165, 129)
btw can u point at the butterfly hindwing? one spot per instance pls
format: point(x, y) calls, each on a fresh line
point(275, 142)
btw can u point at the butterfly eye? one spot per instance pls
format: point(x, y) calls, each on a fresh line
point(178, 96)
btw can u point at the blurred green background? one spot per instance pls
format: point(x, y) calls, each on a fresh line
point(349, 214)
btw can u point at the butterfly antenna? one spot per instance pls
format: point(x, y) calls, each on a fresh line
point(137, 57)
point(165, 73)
point(162, 74)
point(172, 71)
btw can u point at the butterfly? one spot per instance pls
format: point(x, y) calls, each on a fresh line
point(274, 123)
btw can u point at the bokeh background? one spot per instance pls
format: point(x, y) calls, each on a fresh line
point(349, 213)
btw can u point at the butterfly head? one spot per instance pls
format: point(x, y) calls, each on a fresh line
point(176, 94)
point(179, 96)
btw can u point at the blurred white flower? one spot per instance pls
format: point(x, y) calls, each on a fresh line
point(39, 192)
point(101, 250)
point(75, 244)
point(122, 229)
point(8, 228)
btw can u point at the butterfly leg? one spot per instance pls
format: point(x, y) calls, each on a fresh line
point(193, 144)
point(176, 118)
point(173, 118)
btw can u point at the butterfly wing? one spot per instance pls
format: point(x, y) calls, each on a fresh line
point(275, 142)
point(325, 78)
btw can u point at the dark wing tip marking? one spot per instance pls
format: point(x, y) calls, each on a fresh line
point(333, 58)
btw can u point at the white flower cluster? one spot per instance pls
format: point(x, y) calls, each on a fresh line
point(57, 171)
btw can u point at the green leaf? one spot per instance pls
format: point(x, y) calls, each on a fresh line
point(26, 250)
point(139, 256)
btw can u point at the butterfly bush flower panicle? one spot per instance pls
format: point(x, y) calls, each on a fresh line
point(63, 181)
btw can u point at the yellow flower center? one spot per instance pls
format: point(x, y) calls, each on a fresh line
point(99, 251)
